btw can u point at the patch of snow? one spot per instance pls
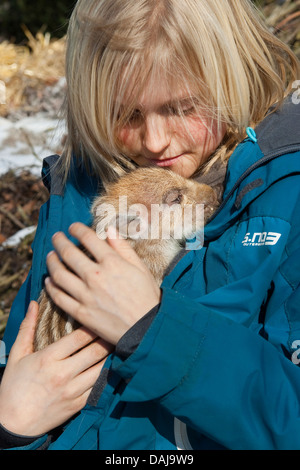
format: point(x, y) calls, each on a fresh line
point(24, 144)
point(15, 239)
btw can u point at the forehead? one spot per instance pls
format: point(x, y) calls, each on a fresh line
point(161, 92)
point(158, 90)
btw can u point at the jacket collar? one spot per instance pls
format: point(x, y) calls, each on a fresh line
point(258, 162)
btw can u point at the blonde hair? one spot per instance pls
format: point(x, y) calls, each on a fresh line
point(220, 48)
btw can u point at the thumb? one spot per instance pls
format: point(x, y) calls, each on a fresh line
point(24, 341)
point(123, 248)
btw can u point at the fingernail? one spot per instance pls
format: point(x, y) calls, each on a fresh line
point(72, 226)
point(50, 253)
point(55, 235)
point(113, 233)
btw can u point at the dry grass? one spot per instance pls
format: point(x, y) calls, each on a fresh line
point(284, 20)
point(34, 66)
point(41, 62)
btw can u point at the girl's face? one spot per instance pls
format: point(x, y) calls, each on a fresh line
point(159, 134)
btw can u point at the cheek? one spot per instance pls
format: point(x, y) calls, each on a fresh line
point(204, 134)
point(191, 132)
point(127, 138)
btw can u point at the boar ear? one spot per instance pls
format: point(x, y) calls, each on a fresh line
point(104, 214)
point(130, 224)
point(173, 196)
point(126, 225)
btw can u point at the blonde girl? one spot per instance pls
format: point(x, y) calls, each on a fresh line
point(221, 54)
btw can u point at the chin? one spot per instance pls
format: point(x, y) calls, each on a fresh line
point(183, 170)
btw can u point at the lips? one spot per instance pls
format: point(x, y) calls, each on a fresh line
point(166, 161)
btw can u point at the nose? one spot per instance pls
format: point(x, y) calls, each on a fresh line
point(157, 134)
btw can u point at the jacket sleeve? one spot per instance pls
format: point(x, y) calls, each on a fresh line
point(218, 375)
point(9, 440)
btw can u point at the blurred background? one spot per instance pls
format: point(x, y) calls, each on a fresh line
point(32, 89)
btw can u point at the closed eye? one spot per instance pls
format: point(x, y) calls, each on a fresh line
point(184, 107)
point(179, 111)
point(135, 117)
point(173, 196)
point(177, 200)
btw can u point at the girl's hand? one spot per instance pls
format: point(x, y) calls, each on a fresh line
point(108, 295)
point(41, 390)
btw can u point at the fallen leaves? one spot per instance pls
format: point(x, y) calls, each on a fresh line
point(21, 197)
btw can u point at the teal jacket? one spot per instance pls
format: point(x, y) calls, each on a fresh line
point(218, 365)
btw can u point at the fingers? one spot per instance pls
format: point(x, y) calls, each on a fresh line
point(63, 278)
point(84, 383)
point(67, 303)
point(88, 238)
point(99, 248)
point(71, 255)
point(89, 356)
point(24, 342)
point(123, 248)
point(75, 259)
point(78, 311)
point(84, 363)
point(71, 344)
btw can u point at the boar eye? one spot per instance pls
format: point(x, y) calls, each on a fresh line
point(174, 196)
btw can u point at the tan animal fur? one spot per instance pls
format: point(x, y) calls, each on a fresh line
point(146, 187)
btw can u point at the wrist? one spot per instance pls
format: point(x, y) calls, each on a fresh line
point(16, 422)
point(9, 439)
point(129, 342)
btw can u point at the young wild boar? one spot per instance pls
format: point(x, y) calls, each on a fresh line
point(157, 211)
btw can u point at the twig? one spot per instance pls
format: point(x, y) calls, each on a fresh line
point(3, 322)
point(23, 215)
point(4, 317)
point(6, 281)
point(287, 20)
point(4, 268)
point(30, 144)
point(12, 218)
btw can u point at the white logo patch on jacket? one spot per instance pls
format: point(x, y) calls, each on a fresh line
point(261, 239)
